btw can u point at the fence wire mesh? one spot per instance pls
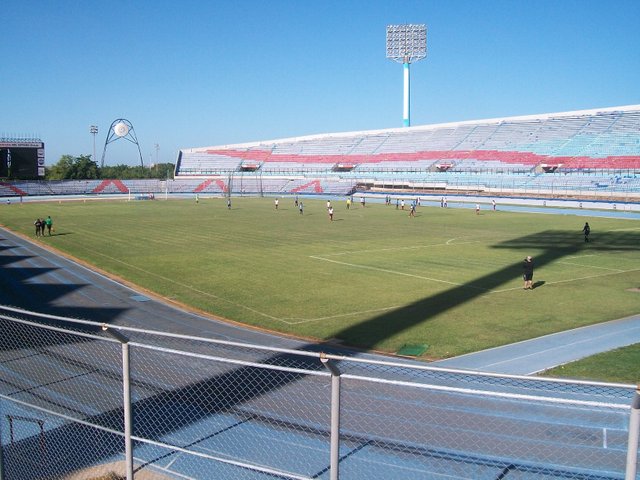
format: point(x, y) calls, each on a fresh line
point(204, 409)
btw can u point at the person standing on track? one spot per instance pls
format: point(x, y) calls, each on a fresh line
point(527, 273)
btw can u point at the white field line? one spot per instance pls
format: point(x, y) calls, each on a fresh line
point(295, 321)
point(394, 272)
point(391, 249)
point(624, 229)
point(287, 320)
point(611, 271)
point(572, 279)
point(184, 285)
point(591, 266)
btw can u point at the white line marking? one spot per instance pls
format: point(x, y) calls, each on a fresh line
point(390, 249)
point(593, 276)
point(287, 320)
point(570, 280)
point(384, 270)
point(591, 266)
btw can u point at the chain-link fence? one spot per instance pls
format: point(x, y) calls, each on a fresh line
point(79, 400)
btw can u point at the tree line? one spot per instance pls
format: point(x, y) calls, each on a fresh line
point(83, 168)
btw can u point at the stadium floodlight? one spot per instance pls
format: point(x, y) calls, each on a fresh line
point(406, 44)
point(94, 131)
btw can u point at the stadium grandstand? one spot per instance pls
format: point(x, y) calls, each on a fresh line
point(588, 154)
point(590, 150)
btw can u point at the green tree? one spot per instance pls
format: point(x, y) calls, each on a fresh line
point(83, 168)
point(163, 170)
point(60, 170)
point(129, 172)
point(73, 168)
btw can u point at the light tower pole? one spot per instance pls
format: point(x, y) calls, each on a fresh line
point(94, 132)
point(406, 44)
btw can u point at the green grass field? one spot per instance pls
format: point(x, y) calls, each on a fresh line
point(373, 278)
point(621, 365)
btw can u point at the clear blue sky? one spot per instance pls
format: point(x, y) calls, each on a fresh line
point(201, 73)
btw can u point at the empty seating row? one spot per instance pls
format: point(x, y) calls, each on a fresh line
point(595, 139)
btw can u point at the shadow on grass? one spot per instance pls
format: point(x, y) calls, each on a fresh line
point(546, 247)
point(538, 284)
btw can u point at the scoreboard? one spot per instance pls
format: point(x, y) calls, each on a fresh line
point(21, 159)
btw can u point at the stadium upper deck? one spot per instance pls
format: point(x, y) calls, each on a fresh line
point(600, 139)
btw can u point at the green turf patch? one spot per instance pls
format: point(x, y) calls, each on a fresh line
point(621, 365)
point(413, 350)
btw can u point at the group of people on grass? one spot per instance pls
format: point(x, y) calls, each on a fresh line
point(400, 204)
point(43, 225)
point(46, 225)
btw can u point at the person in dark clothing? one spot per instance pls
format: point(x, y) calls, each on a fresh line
point(39, 227)
point(527, 273)
point(586, 230)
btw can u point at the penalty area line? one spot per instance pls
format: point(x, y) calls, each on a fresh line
point(591, 266)
point(394, 272)
point(571, 280)
point(393, 249)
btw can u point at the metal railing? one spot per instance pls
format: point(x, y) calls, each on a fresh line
point(79, 399)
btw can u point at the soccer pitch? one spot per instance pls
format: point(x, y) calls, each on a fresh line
point(372, 278)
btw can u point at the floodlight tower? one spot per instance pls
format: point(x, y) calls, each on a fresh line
point(94, 131)
point(406, 44)
point(121, 128)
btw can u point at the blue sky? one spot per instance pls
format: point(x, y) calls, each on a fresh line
point(202, 73)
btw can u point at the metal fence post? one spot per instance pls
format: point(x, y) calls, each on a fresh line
point(1, 449)
point(126, 398)
point(634, 432)
point(334, 462)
